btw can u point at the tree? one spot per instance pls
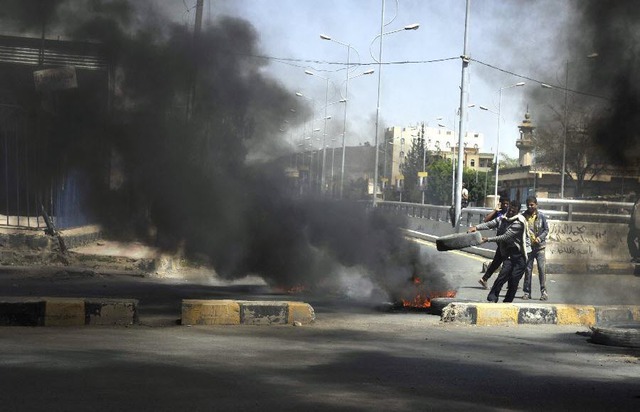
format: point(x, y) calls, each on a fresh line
point(507, 162)
point(584, 159)
point(439, 183)
point(416, 160)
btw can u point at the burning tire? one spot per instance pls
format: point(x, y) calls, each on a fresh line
point(625, 334)
point(458, 241)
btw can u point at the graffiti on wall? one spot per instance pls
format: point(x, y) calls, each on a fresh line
point(592, 241)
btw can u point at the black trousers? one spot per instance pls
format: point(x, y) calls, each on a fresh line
point(513, 268)
point(494, 265)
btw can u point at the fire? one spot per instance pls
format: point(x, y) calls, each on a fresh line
point(423, 299)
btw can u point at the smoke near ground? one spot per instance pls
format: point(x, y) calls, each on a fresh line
point(186, 117)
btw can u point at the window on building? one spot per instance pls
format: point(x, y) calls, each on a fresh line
point(402, 141)
point(449, 132)
point(473, 163)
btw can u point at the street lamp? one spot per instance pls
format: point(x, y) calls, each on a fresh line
point(324, 134)
point(566, 113)
point(346, 97)
point(414, 26)
point(497, 162)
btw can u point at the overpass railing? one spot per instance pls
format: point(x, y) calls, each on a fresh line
point(554, 209)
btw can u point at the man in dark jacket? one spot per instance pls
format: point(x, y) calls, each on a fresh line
point(497, 213)
point(514, 245)
point(538, 230)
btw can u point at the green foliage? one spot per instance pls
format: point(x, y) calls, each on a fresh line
point(439, 183)
point(416, 160)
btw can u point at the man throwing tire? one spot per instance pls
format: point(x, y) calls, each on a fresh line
point(514, 245)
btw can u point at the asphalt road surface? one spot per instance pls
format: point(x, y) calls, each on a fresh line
point(353, 358)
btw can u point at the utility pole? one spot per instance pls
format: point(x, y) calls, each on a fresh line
point(463, 92)
point(191, 97)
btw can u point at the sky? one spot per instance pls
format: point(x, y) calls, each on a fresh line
point(420, 78)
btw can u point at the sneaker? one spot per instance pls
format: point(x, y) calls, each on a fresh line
point(544, 295)
point(526, 296)
point(483, 283)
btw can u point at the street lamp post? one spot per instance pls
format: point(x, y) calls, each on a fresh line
point(346, 96)
point(497, 162)
point(463, 92)
point(564, 135)
point(566, 113)
point(324, 133)
point(414, 26)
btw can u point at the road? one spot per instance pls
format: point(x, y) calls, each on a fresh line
point(353, 358)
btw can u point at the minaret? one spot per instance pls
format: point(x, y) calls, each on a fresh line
point(525, 143)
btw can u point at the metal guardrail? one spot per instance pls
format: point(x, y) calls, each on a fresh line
point(554, 209)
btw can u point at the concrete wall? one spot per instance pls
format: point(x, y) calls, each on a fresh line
point(572, 247)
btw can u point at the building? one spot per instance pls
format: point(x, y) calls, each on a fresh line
point(50, 93)
point(531, 178)
point(440, 141)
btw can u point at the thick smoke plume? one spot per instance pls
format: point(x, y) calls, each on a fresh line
point(613, 30)
point(601, 55)
point(185, 116)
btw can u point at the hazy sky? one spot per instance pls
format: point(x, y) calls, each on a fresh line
point(522, 37)
point(421, 71)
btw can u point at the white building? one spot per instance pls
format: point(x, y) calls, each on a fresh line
point(398, 142)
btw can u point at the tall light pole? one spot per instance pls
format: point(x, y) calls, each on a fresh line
point(414, 26)
point(463, 92)
point(564, 134)
point(566, 120)
point(324, 133)
point(346, 97)
point(497, 161)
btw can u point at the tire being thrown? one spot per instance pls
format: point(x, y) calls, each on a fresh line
point(458, 241)
point(626, 334)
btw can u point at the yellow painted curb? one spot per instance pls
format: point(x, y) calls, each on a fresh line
point(575, 315)
point(210, 312)
point(64, 312)
point(489, 314)
point(300, 312)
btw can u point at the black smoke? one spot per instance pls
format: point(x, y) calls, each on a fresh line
point(184, 118)
point(596, 51)
point(613, 30)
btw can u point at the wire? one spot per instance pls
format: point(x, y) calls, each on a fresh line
point(540, 82)
point(306, 62)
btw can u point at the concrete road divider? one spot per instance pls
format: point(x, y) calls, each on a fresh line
point(489, 314)
point(56, 311)
point(242, 312)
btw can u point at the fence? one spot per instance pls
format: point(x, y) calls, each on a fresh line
point(555, 209)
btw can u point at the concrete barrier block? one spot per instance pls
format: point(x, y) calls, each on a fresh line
point(490, 314)
point(460, 313)
point(533, 314)
point(613, 314)
point(210, 312)
point(64, 312)
point(576, 315)
point(17, 311)
point(300, 312)
point(264, 313)
point(111, 311)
